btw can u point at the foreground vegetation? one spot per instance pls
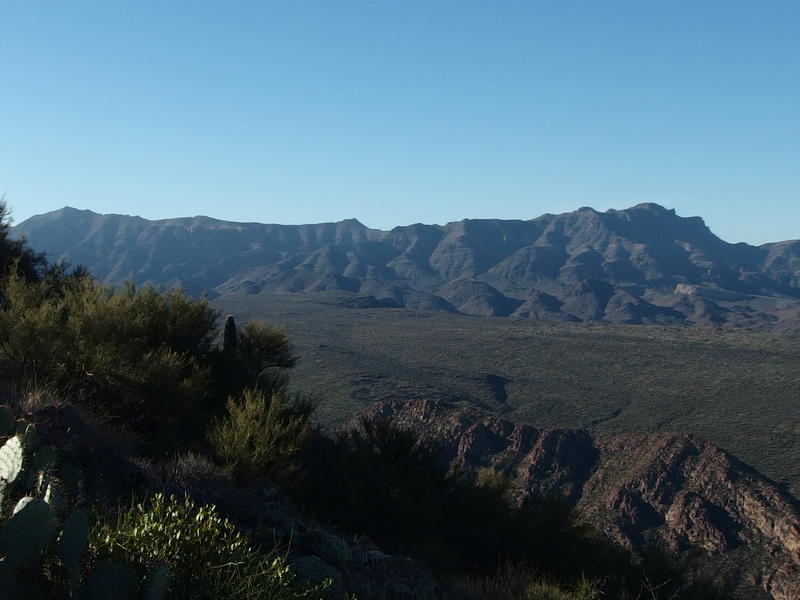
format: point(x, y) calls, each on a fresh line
point(153, 372)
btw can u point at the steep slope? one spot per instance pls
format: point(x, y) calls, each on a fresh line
point(640, 265)
point(674, 490)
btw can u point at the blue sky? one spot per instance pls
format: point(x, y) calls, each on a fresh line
point(407, 111)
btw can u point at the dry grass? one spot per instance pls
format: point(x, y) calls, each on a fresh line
point(517, 582)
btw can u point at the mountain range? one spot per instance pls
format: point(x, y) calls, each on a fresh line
point(644, 264)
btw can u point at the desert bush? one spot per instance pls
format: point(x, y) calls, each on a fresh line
point(206, 554)
point(263, 435)
point(136, 354)
point(89, 331)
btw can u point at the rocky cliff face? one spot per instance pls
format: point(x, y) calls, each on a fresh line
point(640, 265)
point(673, 489)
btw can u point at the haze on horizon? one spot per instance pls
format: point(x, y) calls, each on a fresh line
point(396, 113)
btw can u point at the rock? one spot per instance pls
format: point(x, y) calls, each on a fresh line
point(377, 576)
point(313, 570)
point(331, 548)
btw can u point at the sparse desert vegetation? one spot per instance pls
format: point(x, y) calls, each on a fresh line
point(141, 448)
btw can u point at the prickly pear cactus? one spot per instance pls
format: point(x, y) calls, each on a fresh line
point(111, 581)
point(26, 534)
point(74, 537)
point(30, 439)
point(42, 462)
point(11, 455)
point(157, 582)
point(28, 528)
point(6, 420)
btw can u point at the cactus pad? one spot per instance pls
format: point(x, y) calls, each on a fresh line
point(11, 459)
point(111, 581)
point(42, 462)
point(157, 582)
point(30, 439)
point(74, 537)
point(6, 420)
point(27, 532)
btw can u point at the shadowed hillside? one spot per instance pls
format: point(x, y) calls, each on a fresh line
point(673, 490)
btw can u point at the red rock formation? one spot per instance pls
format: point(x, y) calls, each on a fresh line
point(675, 489)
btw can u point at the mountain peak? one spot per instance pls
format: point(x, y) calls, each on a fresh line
point(654, 208)
point(352, 221)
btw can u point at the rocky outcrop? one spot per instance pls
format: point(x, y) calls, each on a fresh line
point(672, 489)
point(644, 264)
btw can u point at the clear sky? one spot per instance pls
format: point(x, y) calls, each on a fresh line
point(396, 112)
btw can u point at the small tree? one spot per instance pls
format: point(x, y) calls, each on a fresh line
point(15, 256)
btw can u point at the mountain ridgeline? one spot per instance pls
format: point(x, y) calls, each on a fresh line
point(644, 264)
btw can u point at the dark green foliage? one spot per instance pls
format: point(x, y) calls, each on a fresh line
point(254, 355)
point(88, 334)
point(400, 493)
point(15, 256)
point(57, 277)
point(263, 435)
point(136, 354)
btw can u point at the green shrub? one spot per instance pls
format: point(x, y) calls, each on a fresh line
point(263, 435)
point(89, 336)
point(139, 355)
point(207, 556)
